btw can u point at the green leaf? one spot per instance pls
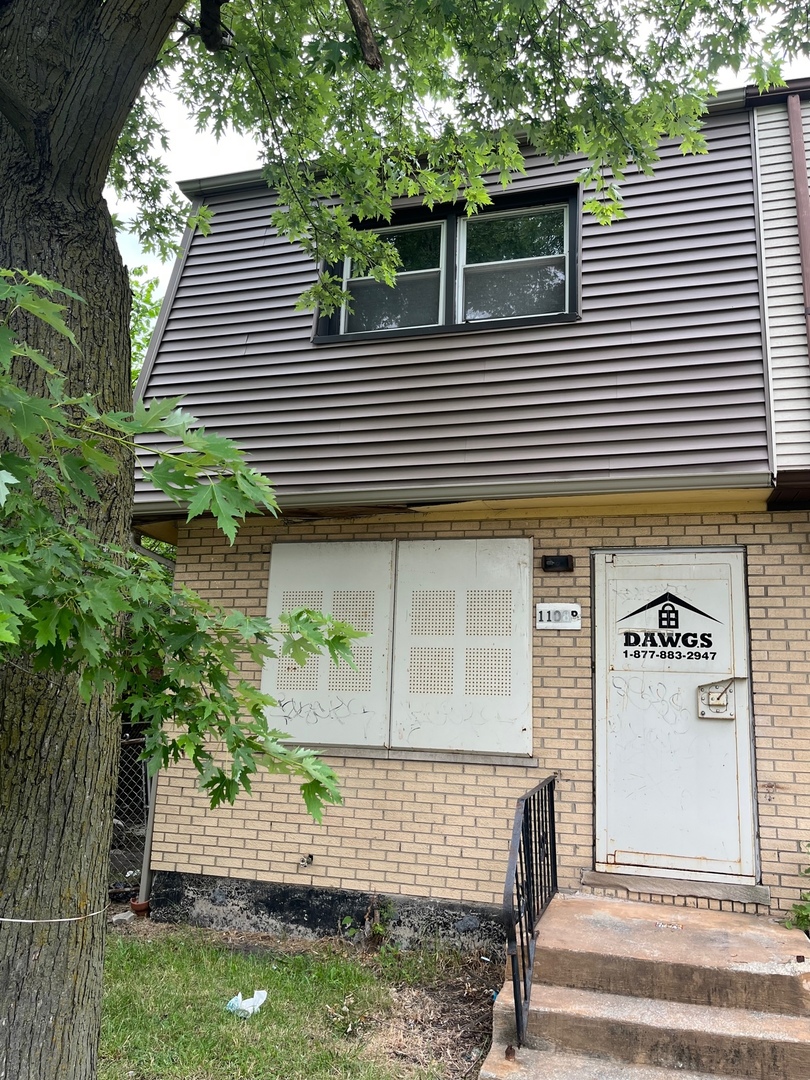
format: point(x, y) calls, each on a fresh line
point(6, 479)
point(73, 470)
point(48, 312)
point(200, 501)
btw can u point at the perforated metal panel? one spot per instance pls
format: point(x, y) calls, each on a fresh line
point(489, 611)
point(433, 611)
point(461, 673)
point(430, 671)
point(345, 678)
point(488, 672)
point(674, 786)
point(323, 702)
point(355, 607)
point(292, 599)
point(291, 676)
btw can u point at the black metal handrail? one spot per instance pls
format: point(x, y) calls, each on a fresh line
point(531, 881)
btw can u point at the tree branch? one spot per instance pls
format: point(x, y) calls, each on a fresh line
point(365, 33)
point(212, 33)
point(67, 124)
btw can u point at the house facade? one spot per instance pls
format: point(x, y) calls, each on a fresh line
point(559, 477)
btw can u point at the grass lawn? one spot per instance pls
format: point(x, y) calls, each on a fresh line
point(332, 1010)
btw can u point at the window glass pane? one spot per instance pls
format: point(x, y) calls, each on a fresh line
point(508, 292)
point(414, 301)
point(524, 236)
point(419, 249)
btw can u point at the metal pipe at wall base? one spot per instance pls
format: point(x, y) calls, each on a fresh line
point(798, 153)
point(146, 873)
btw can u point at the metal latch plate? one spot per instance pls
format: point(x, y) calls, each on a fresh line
point(716, 700)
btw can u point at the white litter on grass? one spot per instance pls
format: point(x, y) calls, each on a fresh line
point(248, 1006)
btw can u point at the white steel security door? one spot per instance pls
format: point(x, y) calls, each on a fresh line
point(673, 725)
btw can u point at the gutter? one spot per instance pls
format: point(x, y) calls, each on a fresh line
point(248, 178)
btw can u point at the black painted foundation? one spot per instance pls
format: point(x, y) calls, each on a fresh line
point(223, 903)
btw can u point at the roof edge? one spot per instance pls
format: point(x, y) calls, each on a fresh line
point(248, 178)
point(742, 97)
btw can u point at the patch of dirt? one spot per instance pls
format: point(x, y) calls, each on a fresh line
point(448, 1026)
point(444, 1026)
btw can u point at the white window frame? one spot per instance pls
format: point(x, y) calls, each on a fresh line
point(461, 260)
point(442, 268)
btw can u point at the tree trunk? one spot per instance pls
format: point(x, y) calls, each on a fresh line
point(70, 71)
point(58, 754)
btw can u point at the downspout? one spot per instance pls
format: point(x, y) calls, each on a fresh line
point(145, 890)
point(798, 154)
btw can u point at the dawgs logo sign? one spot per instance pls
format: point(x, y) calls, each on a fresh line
point(669, 641)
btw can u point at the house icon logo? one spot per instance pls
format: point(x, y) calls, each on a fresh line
point(669, 635)
point(669, 609)
point(668, 638)
point(668, 617)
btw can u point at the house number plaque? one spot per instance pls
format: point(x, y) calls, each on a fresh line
point(559, 617)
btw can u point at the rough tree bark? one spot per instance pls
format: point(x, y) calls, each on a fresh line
point(69, 73)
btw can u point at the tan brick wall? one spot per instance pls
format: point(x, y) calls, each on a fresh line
point(441, 828)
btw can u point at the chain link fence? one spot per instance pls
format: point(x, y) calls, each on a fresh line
point(129, 822)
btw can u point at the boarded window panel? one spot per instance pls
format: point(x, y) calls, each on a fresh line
point(323, 703)
point(489, 611)
point(301, 598)
point(292, 676)
point(462, 672)
point(488, 673)
point(355, 607)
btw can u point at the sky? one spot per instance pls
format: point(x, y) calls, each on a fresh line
point(191, 155)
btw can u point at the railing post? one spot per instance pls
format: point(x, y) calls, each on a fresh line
point(531, 882)
point(552, 838)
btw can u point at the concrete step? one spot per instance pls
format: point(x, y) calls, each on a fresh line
point(536, 1065)
point(672, 953)
point(504, 1062)
point(669, 1035)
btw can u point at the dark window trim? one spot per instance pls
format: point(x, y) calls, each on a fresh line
point(327, 328)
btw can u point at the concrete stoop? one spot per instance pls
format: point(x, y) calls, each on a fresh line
point(629, 991)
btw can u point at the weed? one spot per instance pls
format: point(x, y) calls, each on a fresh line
point(800, 913)
point(347, 1019)
point(377, 922)
point(349, 928)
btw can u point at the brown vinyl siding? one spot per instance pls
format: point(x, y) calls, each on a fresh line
point(661, 379)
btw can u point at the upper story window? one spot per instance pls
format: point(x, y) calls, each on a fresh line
point(513, 265)
point(418, 297)
point(508, 265)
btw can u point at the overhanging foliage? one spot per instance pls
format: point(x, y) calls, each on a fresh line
point(70, 603)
